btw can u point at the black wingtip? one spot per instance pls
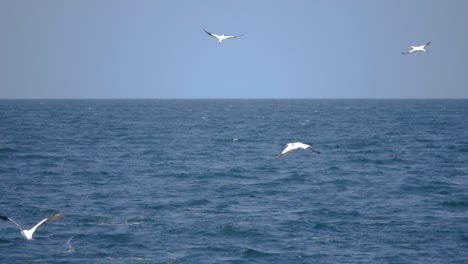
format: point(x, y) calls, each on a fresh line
point(314, 150)
point(56, 216)
point(4, 218)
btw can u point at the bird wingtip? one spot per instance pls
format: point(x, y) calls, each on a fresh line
point(4, 218)
point(56, 216)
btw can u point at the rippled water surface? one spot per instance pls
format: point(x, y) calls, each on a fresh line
point(195, 181)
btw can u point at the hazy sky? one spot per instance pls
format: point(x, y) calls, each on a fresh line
point(291, 49)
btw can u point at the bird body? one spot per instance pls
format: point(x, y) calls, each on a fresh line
point(421, 48)
point(290, 147)
point(28, 233)
point(221, 37)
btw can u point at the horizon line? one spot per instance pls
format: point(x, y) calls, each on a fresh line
point(240, 98)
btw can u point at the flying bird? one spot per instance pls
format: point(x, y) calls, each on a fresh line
point(417, 48)
point(290, 147)
point(28, 234)
point(221, 37)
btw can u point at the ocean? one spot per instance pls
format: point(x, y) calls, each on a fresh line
point(195, 181)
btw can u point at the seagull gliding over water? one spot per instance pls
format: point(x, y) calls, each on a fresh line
point(221, 37)
point(290, 147)
point(28, 234)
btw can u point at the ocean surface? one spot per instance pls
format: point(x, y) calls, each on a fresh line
point(195, 181)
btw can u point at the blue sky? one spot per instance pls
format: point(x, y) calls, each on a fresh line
point(291, 49)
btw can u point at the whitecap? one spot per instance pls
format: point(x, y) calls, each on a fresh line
point(70, 248)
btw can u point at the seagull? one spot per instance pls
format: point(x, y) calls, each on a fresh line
point(28, 234)
point(417, 48)
point(290, 147)
point(221, 37)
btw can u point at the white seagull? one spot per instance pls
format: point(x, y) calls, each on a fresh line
point(28, 234)
point(221, 37)
point(417, 48)
point(290, 147)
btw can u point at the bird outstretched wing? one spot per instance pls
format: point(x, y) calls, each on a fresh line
point(211, 34)
point(56, 216)
point(285, 151)
point(4, 218)
point(230, 37)
point(314, 150)
point(50, 218)
point(279, 156)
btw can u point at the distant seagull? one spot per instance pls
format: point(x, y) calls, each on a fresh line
point(221, 37)
point(28, 234)
point(290, 147)
point(417, 48)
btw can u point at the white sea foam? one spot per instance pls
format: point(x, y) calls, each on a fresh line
point(70, 248)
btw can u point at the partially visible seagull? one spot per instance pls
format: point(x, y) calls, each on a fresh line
point(221, 37)
point(28, 234)
point(417, 48)
point(290, 147)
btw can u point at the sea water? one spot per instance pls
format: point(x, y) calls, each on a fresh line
point(195, 181)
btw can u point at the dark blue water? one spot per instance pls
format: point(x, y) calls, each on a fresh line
point(194, 181)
